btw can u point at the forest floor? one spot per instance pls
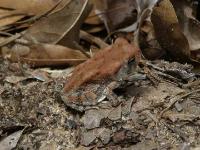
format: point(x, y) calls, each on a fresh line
point(157, 111)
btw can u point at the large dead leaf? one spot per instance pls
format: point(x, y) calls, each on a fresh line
point(34, 7)
point(11, 12)
point(122, 14)
point(168, 31)
point(116, 13)
point(7, 17)
point(62, 26)
point(44, 55)
point(189, 25)
point(104, 64)
point(148, 43)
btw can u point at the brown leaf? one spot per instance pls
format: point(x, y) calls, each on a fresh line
point(93, 18)
point(34, 7)
point(153, 53)
point(192, 32)
point(174, 117)
point(93, 23)
point(61, 27)
point(189, 25)
point(116, 13)
point(12, 11)
point(8, 17)
point(104, 64)
point(148, 42)
point(92, 39)
point(44, 55)
point(168, 31)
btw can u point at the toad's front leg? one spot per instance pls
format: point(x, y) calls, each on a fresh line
point(113, 98)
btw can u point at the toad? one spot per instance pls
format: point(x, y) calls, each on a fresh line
point(94, 80)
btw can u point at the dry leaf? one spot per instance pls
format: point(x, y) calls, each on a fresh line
point(93, 23)
point(34, 7)
point(12, 10)
point(8, 17)
point(168, 31)
point(144, 9)
point(148, 42)
point(103, 64)
point(174, 117)
point(192, 32)
point(116, 13)
point(93, 18)
point(189, 25)
point(44, 55)
point(138, 10)
point(61, 27)
point(92, 39)
point(10, 142)
point(26, 13)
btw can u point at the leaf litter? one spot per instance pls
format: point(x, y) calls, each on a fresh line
point(117, 75)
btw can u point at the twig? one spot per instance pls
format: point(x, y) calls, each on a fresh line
point(181, 134)
point(22, 42)
point(10, 39)
point(176, 99)
point(81, 49)
point(5, 33)
point(92, 39)
point(154, 118)
point(194, 83)
point(13, 14)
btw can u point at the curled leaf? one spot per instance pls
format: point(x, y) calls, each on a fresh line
point(168, 31)
point(61, 27)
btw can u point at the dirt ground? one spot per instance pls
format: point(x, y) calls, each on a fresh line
point(161, 110)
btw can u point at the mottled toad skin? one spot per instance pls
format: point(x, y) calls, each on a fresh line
point(104, 64)
point(93, 93)
point(95, 79)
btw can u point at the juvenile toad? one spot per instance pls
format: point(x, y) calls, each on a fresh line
point(95, 79)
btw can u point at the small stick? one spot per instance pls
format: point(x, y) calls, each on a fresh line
point(10, 39)
point(176, 99)
point(92, 39)
point(81, 49)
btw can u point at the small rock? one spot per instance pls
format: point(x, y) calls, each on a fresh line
point(88, 137)
point(126, 109)
point(105, 135)
point(71, 124)
point(93, 117)
point(178, 107)
point(116, 113)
